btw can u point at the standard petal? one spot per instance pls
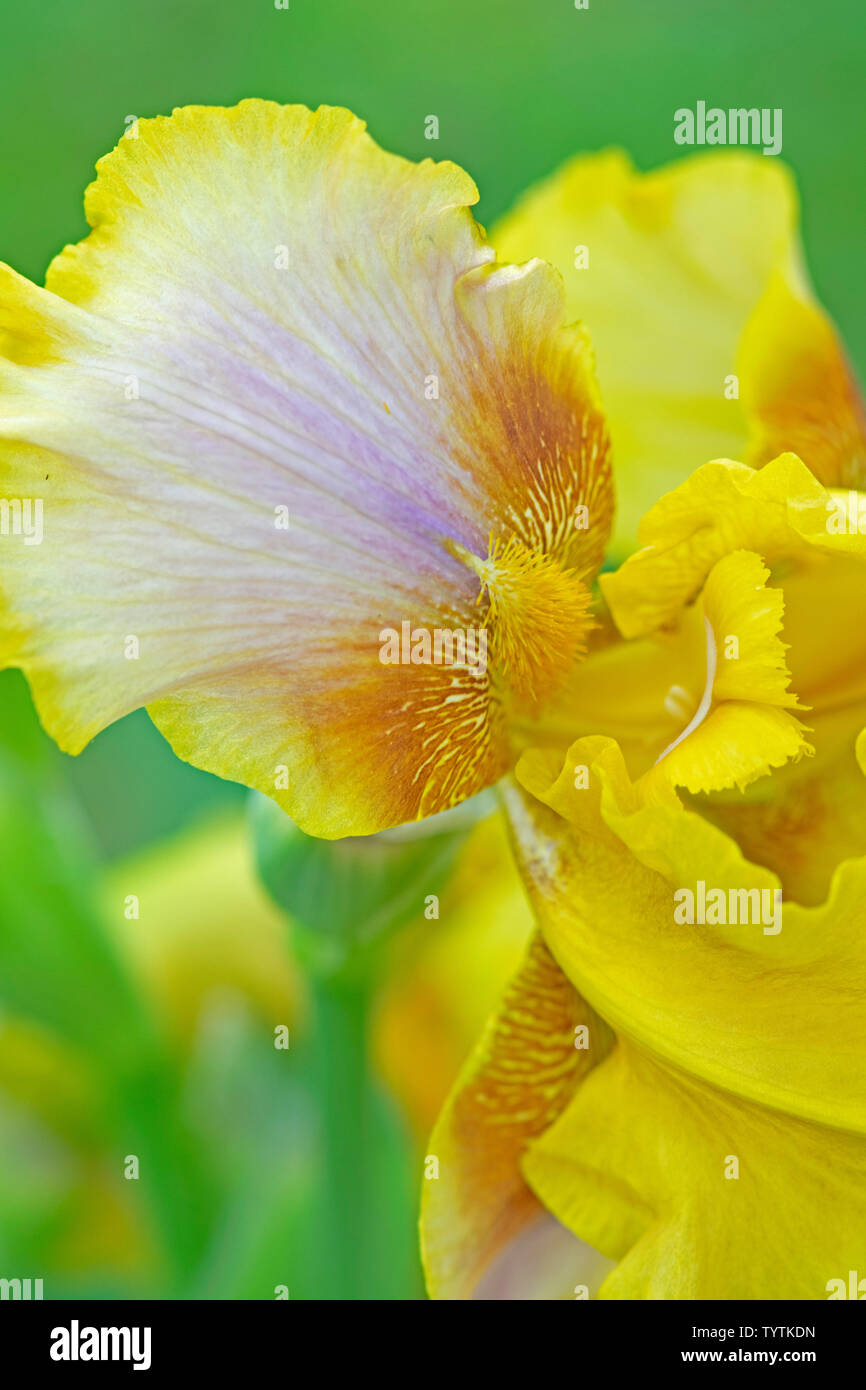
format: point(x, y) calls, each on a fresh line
point(704, 703)
point(806, 819)
point(798, 388)
point(780, 511)
point(740, 727)
point(665, 269)
point(276, 404)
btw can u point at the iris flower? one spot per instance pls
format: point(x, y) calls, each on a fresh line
point(283, 402)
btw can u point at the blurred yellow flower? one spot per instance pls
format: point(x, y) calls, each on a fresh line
point(205, 929)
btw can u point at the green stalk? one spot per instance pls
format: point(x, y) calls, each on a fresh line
point(343, 1089)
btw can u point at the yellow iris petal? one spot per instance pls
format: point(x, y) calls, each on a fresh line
point(803, 820)
point(697, 1193)
point(780, 511)
point(739, 1037)
point(518, 1080)
point(665, 269)
point(740, 729)
point(603, 874)
point(733, 1097)
point(798, 388)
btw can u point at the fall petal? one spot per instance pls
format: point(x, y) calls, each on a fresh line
point(273, 405)
point(769, 1008)
point(519, 1078)
point(698, 1194)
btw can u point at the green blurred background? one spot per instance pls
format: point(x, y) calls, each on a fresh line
point(153, 1036)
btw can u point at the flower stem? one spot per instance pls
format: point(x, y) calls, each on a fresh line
point(344, 1094)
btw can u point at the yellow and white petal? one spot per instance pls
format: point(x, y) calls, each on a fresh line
point(479, 1210)
point(665, 269)
point(268, 409)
